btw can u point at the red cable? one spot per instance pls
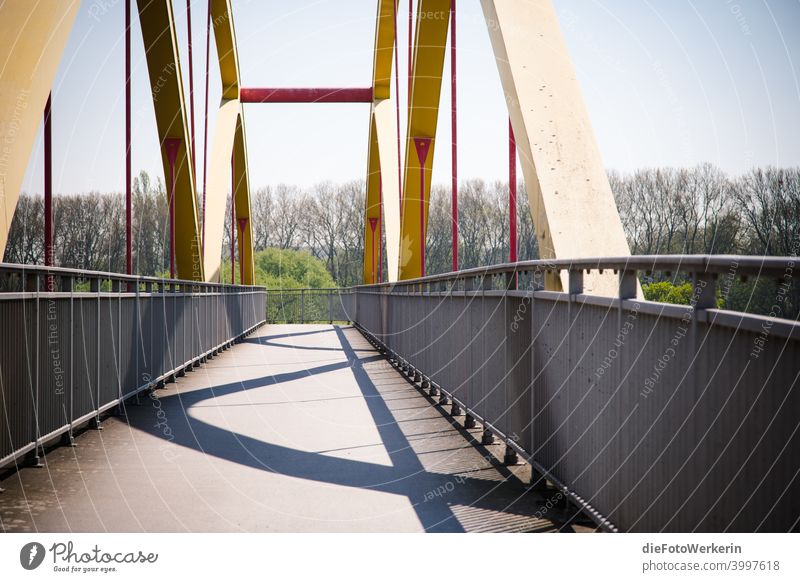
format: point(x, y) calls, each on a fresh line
point(205, 127)
point(128, 190)
point(397, 106)
point(454, 132)
point(191, 81)
point(233, 218)
point(380, 234)
point(410, 38)
point(512, 194)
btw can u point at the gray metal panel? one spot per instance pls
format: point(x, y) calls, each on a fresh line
point(494, 371)
point(518, 358)
point(476, 351)
point(109, 388)
point(52, 375)
point(655, 421)
point(65, 355)
point(144, 339)
point(84, 356)
point(17, 375)
point(128, 340)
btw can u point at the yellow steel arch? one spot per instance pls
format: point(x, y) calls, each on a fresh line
point(383, 191)
point(163, 64)
point(244, 231)
point(572, 207)
point(430, 41)
point(228, 135)
point(34, 36)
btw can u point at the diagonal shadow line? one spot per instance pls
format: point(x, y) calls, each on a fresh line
point(403, 456)
point(273, 344)
point(191, 398)
point(292, 334)
point(406, 476)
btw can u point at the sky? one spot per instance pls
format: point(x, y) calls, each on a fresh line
point(666, 83)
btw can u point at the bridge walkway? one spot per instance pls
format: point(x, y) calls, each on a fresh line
point(298, 428)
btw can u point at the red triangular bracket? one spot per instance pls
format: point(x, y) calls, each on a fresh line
point(172, 145)
point(423, 146)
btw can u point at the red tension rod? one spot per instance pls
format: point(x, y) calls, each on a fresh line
point(512, 195)
point(233, 218)
point(397, 108)
point(205, 126)
point(48, 185)
point(422, 145)
point(128, 175)
point(454, 135)
point(172, 145)
point(410, 42)
point(306, 95)
point(191, 79)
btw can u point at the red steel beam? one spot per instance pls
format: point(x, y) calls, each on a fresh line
point(306, 95)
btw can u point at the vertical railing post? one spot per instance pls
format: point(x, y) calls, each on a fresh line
point(487, 437)
point(34, 459)
point(469, 285)
point(148, 349)
point(95, 286)
point(628, 284)
point(69, 282)
point(302, 305)
point(185, 306)
point(147, 359)
point(704, 290)
point(455, 409)
point(117, 286)
point(575, 282)
point(173, 297)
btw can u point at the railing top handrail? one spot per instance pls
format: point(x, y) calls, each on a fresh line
point(298, 289)
point(87, 274)
point(735, 264)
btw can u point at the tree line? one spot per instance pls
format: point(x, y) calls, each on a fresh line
point(663, 210)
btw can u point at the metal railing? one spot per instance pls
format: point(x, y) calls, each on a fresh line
point(74, 344)
point(649, 416)
point(309, 305)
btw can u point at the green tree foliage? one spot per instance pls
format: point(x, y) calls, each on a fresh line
point(666, 292)
point(286, 269)
point(680, 293)
point(699, 210)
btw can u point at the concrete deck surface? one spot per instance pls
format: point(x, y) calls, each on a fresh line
point(300, 428)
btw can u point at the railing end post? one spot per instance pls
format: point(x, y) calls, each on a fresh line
point(575, 281)
point(628, 284)
point(704, 290)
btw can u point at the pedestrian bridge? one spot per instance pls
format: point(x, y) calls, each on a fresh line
point(541, 395)
point(471, 401)
point(297, 428)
